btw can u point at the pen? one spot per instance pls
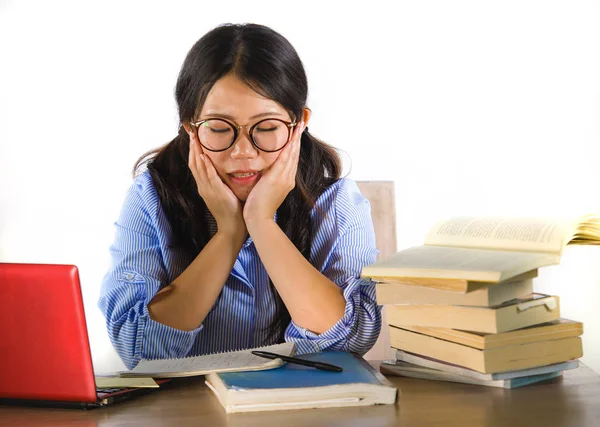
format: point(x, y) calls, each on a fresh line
point(317, 365)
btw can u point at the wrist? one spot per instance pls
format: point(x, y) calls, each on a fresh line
point(237, 236)
point(254, 225)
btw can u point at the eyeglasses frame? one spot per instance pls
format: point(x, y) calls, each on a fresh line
point(237, 130)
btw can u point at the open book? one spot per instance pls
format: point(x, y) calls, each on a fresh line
point(485, 250)
point(234, 361)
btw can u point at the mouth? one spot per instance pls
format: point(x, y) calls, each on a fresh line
point(244, 177)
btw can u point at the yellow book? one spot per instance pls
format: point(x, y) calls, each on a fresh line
point(557, 329)
point(397, 292)
point(535, 309)
point(490, 250)
point(501, 359)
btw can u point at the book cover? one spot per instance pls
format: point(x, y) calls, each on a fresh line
point(294, 386)
point(532, 310)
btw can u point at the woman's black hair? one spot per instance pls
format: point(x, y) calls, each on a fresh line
point(265, 61)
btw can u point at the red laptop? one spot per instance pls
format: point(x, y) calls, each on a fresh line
point(44, 349)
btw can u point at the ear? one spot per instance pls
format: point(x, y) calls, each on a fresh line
point(306, 113)
point(187, 127)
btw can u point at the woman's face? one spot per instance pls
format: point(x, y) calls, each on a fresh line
point(242, 165)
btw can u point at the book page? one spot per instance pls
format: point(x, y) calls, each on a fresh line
point(242, 360)
point(588, 231)
point(510, 234)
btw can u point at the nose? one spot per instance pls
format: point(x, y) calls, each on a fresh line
point(243, 147)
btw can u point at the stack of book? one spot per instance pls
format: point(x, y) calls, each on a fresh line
point(462, 307)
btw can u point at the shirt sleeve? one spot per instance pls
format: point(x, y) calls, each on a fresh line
point(345, 243)
point(136, 274)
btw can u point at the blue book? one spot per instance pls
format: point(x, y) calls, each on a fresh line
point(295, 386)
point(405, 369)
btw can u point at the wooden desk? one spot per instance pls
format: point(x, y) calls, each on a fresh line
point(573, 401)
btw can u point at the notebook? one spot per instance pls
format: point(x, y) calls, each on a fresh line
point(43, 316)
point(295, 386)
point(233, 361)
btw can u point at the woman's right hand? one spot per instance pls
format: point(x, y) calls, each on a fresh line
point(220, 200)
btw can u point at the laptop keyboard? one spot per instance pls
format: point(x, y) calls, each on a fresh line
point(112, 391)
point(107, 390)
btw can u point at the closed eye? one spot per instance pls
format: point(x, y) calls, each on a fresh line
point(269, 129)
point(219, 130)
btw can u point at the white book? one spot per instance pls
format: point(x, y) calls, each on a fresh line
point(431, 363)
point(234, 361)
point(413, 371)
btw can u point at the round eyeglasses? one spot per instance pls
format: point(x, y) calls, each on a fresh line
point(267, 135)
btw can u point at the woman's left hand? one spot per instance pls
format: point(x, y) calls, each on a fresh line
point(276, 183)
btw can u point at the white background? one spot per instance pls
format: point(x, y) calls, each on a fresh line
point(470, 107)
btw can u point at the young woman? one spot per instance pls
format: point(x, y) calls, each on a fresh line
point(241, 232)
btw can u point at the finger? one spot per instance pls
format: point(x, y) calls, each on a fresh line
point(293, 139)
point(197, 149)
point(289, 148)
point(292, 170)
point(298, 142)
point(196, 164)
point(293, 154)
point(211, 173)
point(192, 159)
point(298, 131)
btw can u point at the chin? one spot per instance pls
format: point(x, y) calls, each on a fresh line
point(243, 194)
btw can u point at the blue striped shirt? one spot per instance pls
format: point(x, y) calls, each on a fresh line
point(143, 262)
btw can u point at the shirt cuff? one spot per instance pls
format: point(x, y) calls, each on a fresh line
point(310, 342)
point(158, 341)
